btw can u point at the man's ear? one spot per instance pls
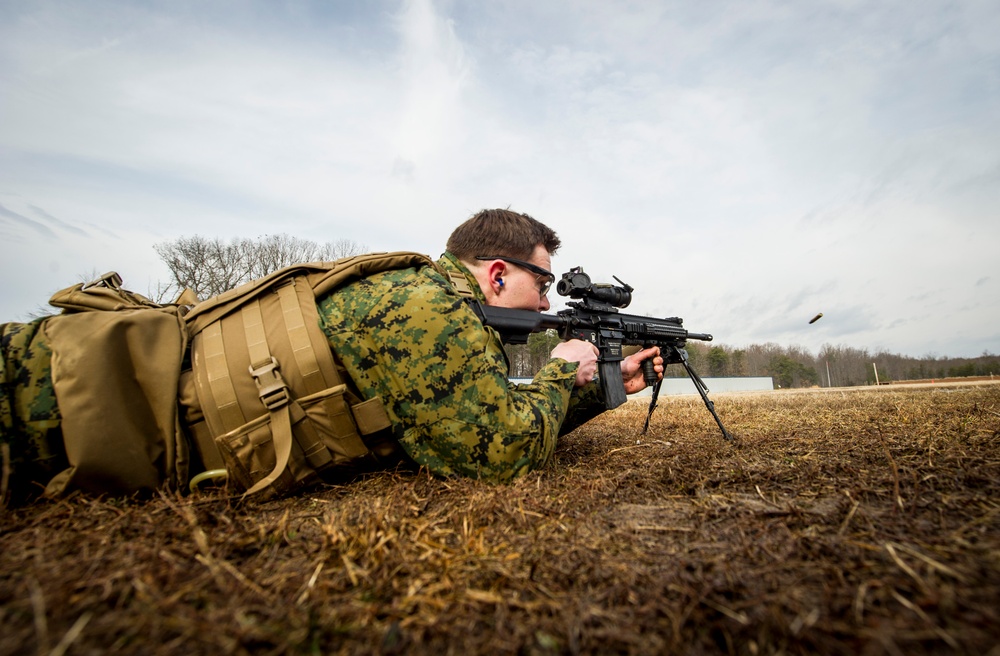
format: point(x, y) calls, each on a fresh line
point(496, 270)
point(488, 276)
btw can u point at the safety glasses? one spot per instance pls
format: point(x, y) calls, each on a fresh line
point(547, 277)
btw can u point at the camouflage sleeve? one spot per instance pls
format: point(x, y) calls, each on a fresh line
point(584, 404)
point(29, 415)
point(443, 377)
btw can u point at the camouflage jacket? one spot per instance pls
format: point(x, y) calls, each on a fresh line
point(407, 337)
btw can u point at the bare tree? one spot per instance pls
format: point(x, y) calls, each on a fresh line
point(212, 266)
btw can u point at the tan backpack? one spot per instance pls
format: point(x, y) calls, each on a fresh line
point(264, 399)
point(264, 386)
point(116, 356)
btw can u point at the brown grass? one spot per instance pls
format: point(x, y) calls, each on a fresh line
point(845, 522)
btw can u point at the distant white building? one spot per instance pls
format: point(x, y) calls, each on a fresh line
point(680, 386)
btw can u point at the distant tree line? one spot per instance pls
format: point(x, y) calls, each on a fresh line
point(836, 366)
point(527, 359)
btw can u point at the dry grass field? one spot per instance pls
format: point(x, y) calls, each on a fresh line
point(839, 522)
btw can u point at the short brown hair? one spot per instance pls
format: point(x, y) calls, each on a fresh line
point(501, 232)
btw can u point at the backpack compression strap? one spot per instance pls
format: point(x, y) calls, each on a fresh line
point(272, 388)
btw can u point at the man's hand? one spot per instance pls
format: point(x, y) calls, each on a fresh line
point(585, 353)
point(632, 369)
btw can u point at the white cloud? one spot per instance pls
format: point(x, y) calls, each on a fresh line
point(739, 163)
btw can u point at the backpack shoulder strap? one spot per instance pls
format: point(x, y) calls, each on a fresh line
point(346, 271)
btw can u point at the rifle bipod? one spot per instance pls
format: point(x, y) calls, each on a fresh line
point(699, 385)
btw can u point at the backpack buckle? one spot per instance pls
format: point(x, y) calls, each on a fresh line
point(272, 388)
point(111, 280)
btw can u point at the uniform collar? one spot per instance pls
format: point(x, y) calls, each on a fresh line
point(455, 271)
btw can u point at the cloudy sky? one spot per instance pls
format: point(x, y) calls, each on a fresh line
point(743, 164)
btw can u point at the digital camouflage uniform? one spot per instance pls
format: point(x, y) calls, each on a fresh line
point(29, 414)
point(403, 335)
point(407, 337)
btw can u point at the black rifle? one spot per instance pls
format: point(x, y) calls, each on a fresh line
point(595, 318)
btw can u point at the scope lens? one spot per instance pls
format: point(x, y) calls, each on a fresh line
point(573, 283)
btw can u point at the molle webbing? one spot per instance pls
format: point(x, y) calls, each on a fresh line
point(268, 383)
point(246, 378)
